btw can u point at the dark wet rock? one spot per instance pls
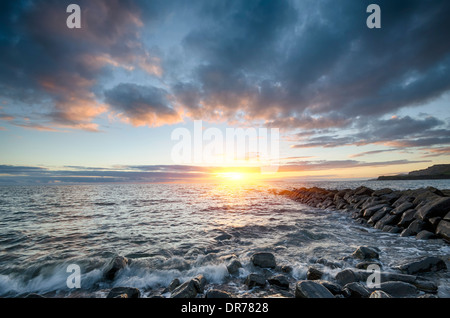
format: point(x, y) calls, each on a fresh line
point(311, 289)
point(363, 191)
point(415, 227)
point(313, 273)
point(328, 263)
point(216, 293)
point(286, 269)
point(199, 283)
point(402, 199)
point(124, 292)
point(378, 215)
point(387, 219)
point(402, 208)
point(365, 264)
point(425, 235)
point(185, 290)
point(381, 192)
point(379, 294)
point(437, 207)
point(398, 289)
point(369, 212)
point(279, 280)
point(173, 284)
point(426, 285)
point(366, 252)
point(356, 290)
point(335, 289)
point(264, 260)
point(435, 222)
point(347, 276)
point(443, 229)
point(407, 217)
point(233, 267)
point(254, 280)
point(118, 263)
point(428, 264)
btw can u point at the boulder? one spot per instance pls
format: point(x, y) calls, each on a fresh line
point(356, 290)
point(313, 273)
point(398, 289)
point(115, 265)
point(407, 217)
point(199, 283)
point(368, 212)
point(443, 229)
point(233, 267)
point(363, 191)
point(425, 235)
point(335, 289)
point(380, 294)
point(437, 207)
point(347, 276)
point(426, 285)
point(216, 293)
point(387, 219)
point(379, 215)
point(366, 252)
point(415, 227)
point(403, 207)
point(311, 289)
point(254, 280)
point(427, 264)
point(124, 292)
point(264, 260)
point(279, 280)
point(185, 290)
point(173, 284)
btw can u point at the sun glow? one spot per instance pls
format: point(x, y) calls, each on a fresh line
point(235, 177)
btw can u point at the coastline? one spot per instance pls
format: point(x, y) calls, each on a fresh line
point(424, 213)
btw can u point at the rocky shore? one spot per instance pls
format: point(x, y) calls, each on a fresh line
point(423, 213)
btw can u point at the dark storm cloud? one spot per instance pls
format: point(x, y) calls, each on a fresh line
point(291, 64)
point(142, 105)
point(45, 65)
point(287, 61)
point(395, 132)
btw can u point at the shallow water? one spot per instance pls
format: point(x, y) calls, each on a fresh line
point(176, 231)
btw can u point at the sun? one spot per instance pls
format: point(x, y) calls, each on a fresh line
point(234, 177)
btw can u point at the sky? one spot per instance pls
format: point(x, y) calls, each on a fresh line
point(101, 103)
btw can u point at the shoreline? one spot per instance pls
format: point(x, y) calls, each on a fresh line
point(423, 213)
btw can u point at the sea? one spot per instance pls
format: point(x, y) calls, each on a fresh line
point(170, 231)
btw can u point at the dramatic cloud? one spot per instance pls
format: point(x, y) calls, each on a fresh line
point(395, 132)
point(142, 105)
point(48, 66)
point(312, 68)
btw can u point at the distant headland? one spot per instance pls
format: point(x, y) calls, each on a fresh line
point(433, 172)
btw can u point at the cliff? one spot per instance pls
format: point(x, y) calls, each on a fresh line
point(433, 172)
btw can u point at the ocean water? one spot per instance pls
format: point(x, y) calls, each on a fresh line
point(178, 231)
